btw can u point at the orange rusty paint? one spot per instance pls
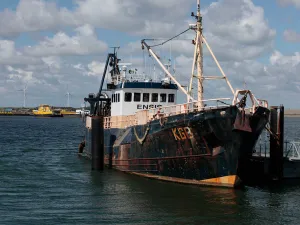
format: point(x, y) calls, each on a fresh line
point(231, 181)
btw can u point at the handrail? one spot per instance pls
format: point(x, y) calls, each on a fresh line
point(144, 116)
point(294, 151)
point(291, 150)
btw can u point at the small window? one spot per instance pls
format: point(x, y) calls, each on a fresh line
point(128, 97)
point(163, 97)
point(118, 97)
point(146, 97)
point(154, 97)
point(137, 97)
point(113, 98)
point(171, 98)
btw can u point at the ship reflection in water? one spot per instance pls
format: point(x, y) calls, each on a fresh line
point(168, 203)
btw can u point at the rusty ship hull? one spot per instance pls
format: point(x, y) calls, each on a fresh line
point(203, 148)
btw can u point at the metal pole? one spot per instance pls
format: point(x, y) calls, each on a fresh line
point(166, 71)
point(216, 61)
point(97, 143)
point(193, 69)
point(276, 142)
point(200, 56)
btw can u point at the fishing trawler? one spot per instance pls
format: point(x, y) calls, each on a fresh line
point(47, 111)
point(147, 133)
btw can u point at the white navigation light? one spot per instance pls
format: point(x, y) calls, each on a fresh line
point(165, 81)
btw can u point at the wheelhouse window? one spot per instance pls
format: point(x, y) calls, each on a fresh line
point(118, 97)
point(128, 97)
point(113, 98)
point(171, 98)
point(137, 97)
point(163, 97)
point(154, 97)
point(146, 97)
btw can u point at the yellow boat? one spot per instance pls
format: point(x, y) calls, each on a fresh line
point(69, 113)
point(5, 113)
point(47, 111)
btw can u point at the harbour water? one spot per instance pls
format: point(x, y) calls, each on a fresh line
point(43, 181)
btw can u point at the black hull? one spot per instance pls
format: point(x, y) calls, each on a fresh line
point(48, 115)
point(196, 148)
point(72, 116)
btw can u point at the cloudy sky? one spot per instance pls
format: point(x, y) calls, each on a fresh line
point(58, 45)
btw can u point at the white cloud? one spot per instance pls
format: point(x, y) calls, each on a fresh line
point(156, 28)
point(112, 14)
point(237, 30)
point(283, 75)
point(95, 68)
point(85, 42)
point(9, 55)
point(21, 75)
point(52, 62)
point(291, 36)
point(126, 15)
point(296, 3)
point(238, 20)
point(275, 81)
point(47, 82)
point(3, 90)
point(281, 60)
point(34, 15)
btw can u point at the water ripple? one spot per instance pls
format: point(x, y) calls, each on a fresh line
point(43, 181)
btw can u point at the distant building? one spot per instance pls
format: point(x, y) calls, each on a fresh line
point(79, 111)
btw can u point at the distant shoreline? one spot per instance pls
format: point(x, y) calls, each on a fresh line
point(31, 115)
point(297, 115)
point(18, 112)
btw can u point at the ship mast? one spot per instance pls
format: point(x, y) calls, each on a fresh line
point(199, 56)
point(197, 61)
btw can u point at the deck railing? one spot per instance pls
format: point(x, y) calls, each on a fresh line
point(144, 116)
point(184, 108)
point(119, 121)
point(291, 149)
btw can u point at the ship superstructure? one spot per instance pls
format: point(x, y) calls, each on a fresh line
point(147, 133)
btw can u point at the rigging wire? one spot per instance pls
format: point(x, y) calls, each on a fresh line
point(164, 42)
point(168, 39)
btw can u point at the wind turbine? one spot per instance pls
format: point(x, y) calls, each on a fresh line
point(68, 94)
point(24, 94)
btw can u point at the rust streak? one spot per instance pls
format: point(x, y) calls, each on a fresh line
point(164, 158)
point(135, 165)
